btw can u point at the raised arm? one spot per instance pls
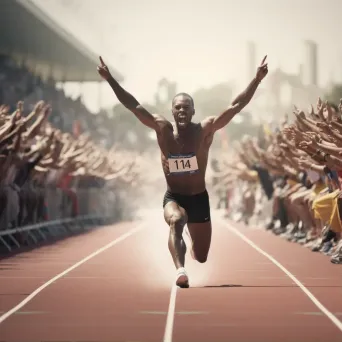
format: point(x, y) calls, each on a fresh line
point(217, 122)
point(128, 100)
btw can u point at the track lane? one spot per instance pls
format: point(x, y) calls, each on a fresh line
point(248, 298)
point(313, 269)
point(123, 293)
point(23, 273)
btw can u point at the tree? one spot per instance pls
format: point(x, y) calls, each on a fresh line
point(127, 130)
point(211, 101)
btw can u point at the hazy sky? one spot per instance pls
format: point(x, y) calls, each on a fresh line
point(199, 43)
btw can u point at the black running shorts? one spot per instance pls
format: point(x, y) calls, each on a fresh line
point(197, 206)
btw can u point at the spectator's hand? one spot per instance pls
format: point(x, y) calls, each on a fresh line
point(46, 111)
point(323, 126)
point(20, 108)
point(299, 113)
point(306, 145)
point(314, 136)
point(320, 109)
point(312, 113)
point(46, 144)
point(36, 110)
point(22, 125)
point(4, 110)
point(329, 112)
point(340, 106)
point(304, 163)
point(289, 132)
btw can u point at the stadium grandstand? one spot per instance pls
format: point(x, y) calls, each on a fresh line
point(51, 162)
point(37, 41)
point(46, 55)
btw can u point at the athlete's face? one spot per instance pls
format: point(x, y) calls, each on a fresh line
point(182, 110)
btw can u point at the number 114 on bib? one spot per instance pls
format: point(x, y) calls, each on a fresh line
point(182, 164)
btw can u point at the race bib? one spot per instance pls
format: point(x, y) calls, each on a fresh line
point(180, 163)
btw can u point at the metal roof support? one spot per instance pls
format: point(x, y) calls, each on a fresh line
point(26, 29)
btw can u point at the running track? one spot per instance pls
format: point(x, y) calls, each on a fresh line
point(125, 292)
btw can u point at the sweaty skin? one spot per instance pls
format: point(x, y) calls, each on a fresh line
point(194, 139)
point(184, 137)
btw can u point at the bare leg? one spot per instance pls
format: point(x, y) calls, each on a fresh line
point(200, 234)
point(275, 207)
point(176, 217)
point(308, 203)
point(300, 208)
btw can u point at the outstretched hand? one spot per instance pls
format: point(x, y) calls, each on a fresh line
point(262, 70)
point(102, 69)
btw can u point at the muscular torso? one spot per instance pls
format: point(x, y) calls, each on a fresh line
point(196, 141)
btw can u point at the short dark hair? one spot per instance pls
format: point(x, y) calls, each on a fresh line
point(185, 95)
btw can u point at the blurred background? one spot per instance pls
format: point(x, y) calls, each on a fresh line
point(210, 49)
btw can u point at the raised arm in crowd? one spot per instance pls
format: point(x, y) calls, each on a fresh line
point(296, 175)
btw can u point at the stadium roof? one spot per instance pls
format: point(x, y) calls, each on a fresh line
point(26, 32)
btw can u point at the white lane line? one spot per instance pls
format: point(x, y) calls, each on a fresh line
point(320, 306)
point(60, 275)
point(170, 315)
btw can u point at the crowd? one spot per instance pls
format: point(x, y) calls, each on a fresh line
point(47, 174)
point(294, 172)
point(18, 83)
point(47, 170)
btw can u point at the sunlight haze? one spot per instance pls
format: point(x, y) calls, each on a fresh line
point(198, 44)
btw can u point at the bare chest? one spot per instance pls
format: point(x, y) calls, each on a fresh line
point(191, 142)
point(183, 145)
point(184, 154)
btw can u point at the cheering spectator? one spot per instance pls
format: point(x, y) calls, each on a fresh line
point(38, 159)
point(299, 169)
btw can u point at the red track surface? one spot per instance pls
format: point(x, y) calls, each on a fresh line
point(123, 293)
